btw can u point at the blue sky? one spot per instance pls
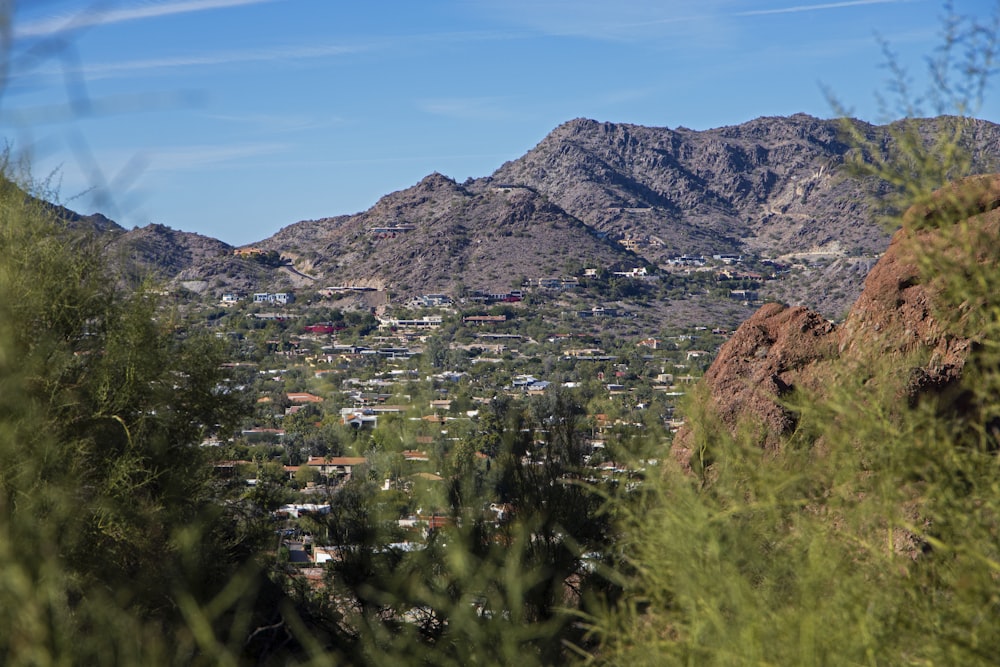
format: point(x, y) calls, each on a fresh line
point(234, 118)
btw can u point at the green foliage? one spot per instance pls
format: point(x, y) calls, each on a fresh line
point(107, 514)
point(871, 535)
point(480, 589)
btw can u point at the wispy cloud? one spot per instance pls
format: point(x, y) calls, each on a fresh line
point(186, 158)
point(474, 108)
point(96, 16)
point(111, 69)
point(795, 9)
point(635, 20)
point(280, 122)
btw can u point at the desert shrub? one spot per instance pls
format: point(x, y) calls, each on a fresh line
point(870, 535)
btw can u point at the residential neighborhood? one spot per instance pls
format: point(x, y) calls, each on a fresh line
point(401, 400)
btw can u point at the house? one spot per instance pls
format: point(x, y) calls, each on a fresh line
point(522, 381)
point(296, 510)
point(336, 466)
point(230, 298)
point(358, 418)
point(432, 300)
point(395, 352)
point(323, 554)
point(324, 328)
point(276, 297)
point(484, 319)
point(303, 397)
point(387, 409)
point(598, 311)
point(426, 322)
point(512, 296)
point(728, 258)
point(633, 243)
point(743, 295)
point(263, 434)
point(637, 272)
point(687, 260)
point(391, 230)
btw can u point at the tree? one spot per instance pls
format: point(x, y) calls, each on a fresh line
point(869, 533)
point(107, 510)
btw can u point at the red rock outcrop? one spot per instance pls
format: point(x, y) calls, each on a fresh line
point(780, 348)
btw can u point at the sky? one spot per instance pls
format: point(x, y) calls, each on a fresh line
point(235, 118)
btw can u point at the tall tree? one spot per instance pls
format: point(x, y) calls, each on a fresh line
point(114, 544)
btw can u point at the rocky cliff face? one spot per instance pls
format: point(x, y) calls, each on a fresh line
point(898, 316)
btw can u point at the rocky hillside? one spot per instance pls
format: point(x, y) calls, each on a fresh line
point(162, 253)
point(439, 236)
point(897, 320)
point(772, 187)
point(589, 194)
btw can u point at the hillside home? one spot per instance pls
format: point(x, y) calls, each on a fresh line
point(484, 319)
point(388, 409)
point(687, 260)
point(634, 243)
point(743, 295)
point(324, 328)
point(358, 418)
point(728, 258)
point(426, 322)
point(432, 300)
point(512, 296)
point(637, 272)
point(302, 509)
point(263, 434)
point(598, 311)
point(303, 397)
point(273, 297)
point(395, 352)
point(391, 230)
point(336, 466)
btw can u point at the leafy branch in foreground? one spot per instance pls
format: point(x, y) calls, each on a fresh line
point(869, 534)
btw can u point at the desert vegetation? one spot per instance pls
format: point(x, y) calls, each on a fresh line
point(833, 497)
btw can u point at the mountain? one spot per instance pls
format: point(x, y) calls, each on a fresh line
point(595, 194)
point(440, 234)
point(162, 253)
point(770, 185)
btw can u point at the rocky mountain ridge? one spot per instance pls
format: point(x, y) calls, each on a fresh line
point(589, 194)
